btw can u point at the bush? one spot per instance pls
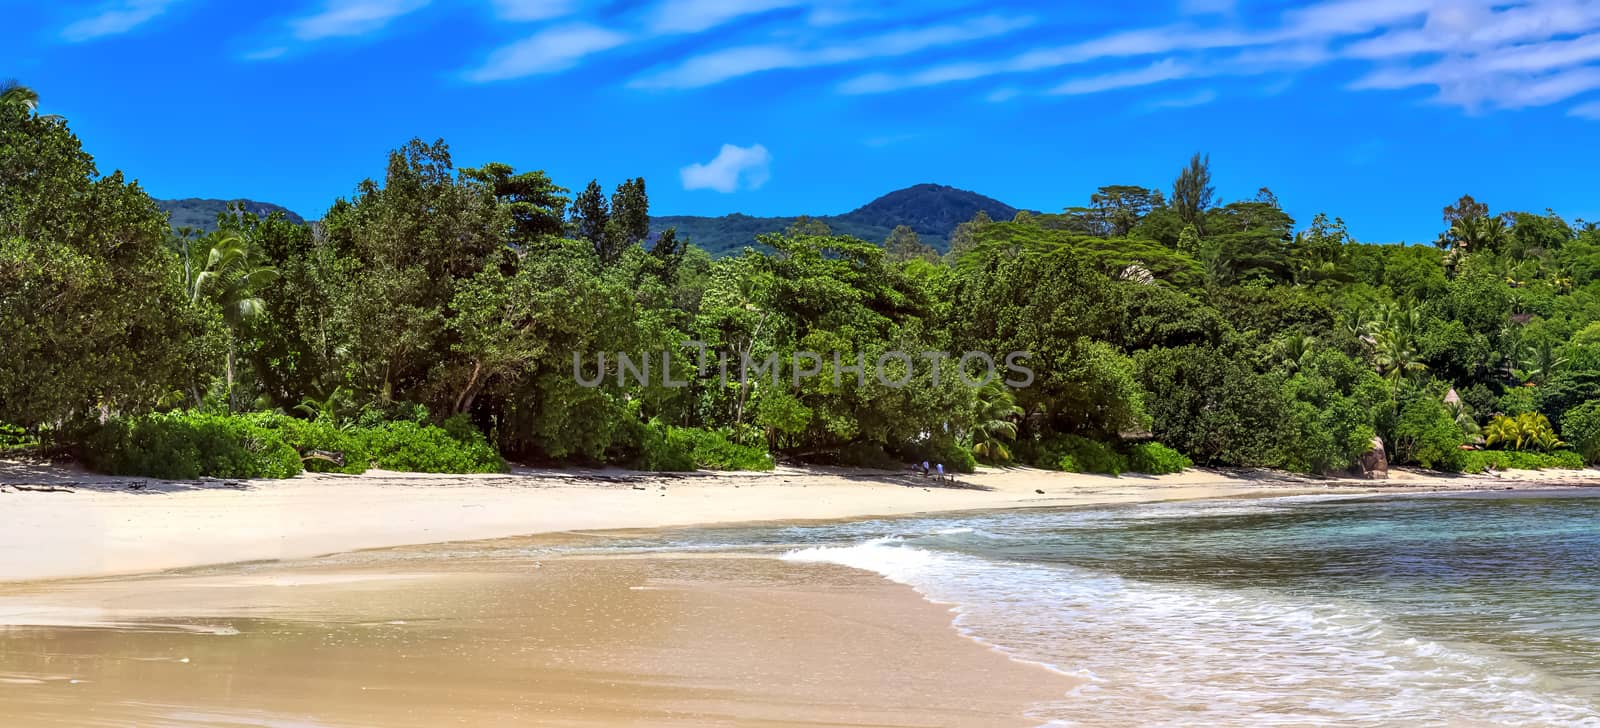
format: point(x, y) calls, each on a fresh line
point(1075, 454)
point(665, 448)
point(1478, 460)
point(715, 450)
point(14, 438)
point(1580, 427)
point(1428, 435)
point(188, 445)
point(306, 436)
point(456, 447)
point(1154, 458)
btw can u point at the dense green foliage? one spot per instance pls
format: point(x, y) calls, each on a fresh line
point(1154, 458)
point(185, 445)
point(1479, 461)
point(444, 318)
point(679, 449)
point(457, 447)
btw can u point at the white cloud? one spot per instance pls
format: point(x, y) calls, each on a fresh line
point(1158, 72)
point(266, 54)
point(349, 18)
point(719, 66)
point(116, 18)
point(1198, 98)
point(693, 16)
point(529, 10)
point(1475, 53)
point(1002, 95)
point(1589, 111)
point(548, 51)
point(734, 167)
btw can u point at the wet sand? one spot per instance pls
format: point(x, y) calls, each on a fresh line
point(434, 641)
point(58, 522)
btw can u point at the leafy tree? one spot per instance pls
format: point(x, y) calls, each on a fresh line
point(1192, 191)
point(591, 217)
point(92, 304)
point(536, 205)
point(903, 244)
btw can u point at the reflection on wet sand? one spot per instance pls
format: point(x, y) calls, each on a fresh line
point(629, 641)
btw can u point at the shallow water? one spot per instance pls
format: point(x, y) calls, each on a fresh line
point(1465, 609)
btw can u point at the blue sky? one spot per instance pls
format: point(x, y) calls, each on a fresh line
point(1379, 111)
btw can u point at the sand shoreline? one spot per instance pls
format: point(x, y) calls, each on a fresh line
point(573, 640)
point(419, 616)
point(62, 523)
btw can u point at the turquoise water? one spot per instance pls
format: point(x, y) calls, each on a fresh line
point(1462, 609)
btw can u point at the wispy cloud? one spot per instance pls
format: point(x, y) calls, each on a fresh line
point(693, 16)
point(1476, 53)
point(719, 66)
point(115, 19)
point(351, 18)
point(1589, 111)
point(548, 51)
point(733, 168)
point(1198, 98)
point(530, 10)
point(1167, 70)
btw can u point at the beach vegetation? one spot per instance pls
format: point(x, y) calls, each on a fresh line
point(430, 321)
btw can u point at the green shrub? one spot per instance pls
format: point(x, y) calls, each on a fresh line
point(188, 445)
point(456, 447)
point(14, 438)
point(1074, 454)
point(1154, 458)
point(1580, 427)
point(665, 448)
point(306, 436)
point(1478, 460)
point(716, 450)
point(1427, 435)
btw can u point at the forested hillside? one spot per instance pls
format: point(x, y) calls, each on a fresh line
point(444, 316)
point(201, 215)
point(932, 211)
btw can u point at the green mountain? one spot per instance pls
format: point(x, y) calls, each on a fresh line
point(202, 214)
point(931, 210)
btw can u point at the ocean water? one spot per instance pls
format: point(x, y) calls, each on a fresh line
point(1459, 609)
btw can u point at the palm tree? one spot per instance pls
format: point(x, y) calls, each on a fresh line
point(996, 413)
point(13, 92)
point(230, 280)
point(1527, 431)
point(1291, 351)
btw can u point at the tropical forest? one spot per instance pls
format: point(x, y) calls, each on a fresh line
point(437, 318)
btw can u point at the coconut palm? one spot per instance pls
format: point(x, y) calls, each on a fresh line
point(1291, 351)
point(996, 415)
point(13, 92)
point(231, 281)
point(1527, 431)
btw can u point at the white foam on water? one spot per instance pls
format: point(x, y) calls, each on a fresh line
point(1169, 654)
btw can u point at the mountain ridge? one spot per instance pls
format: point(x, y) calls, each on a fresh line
point(201, 213)
point(932, 210)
